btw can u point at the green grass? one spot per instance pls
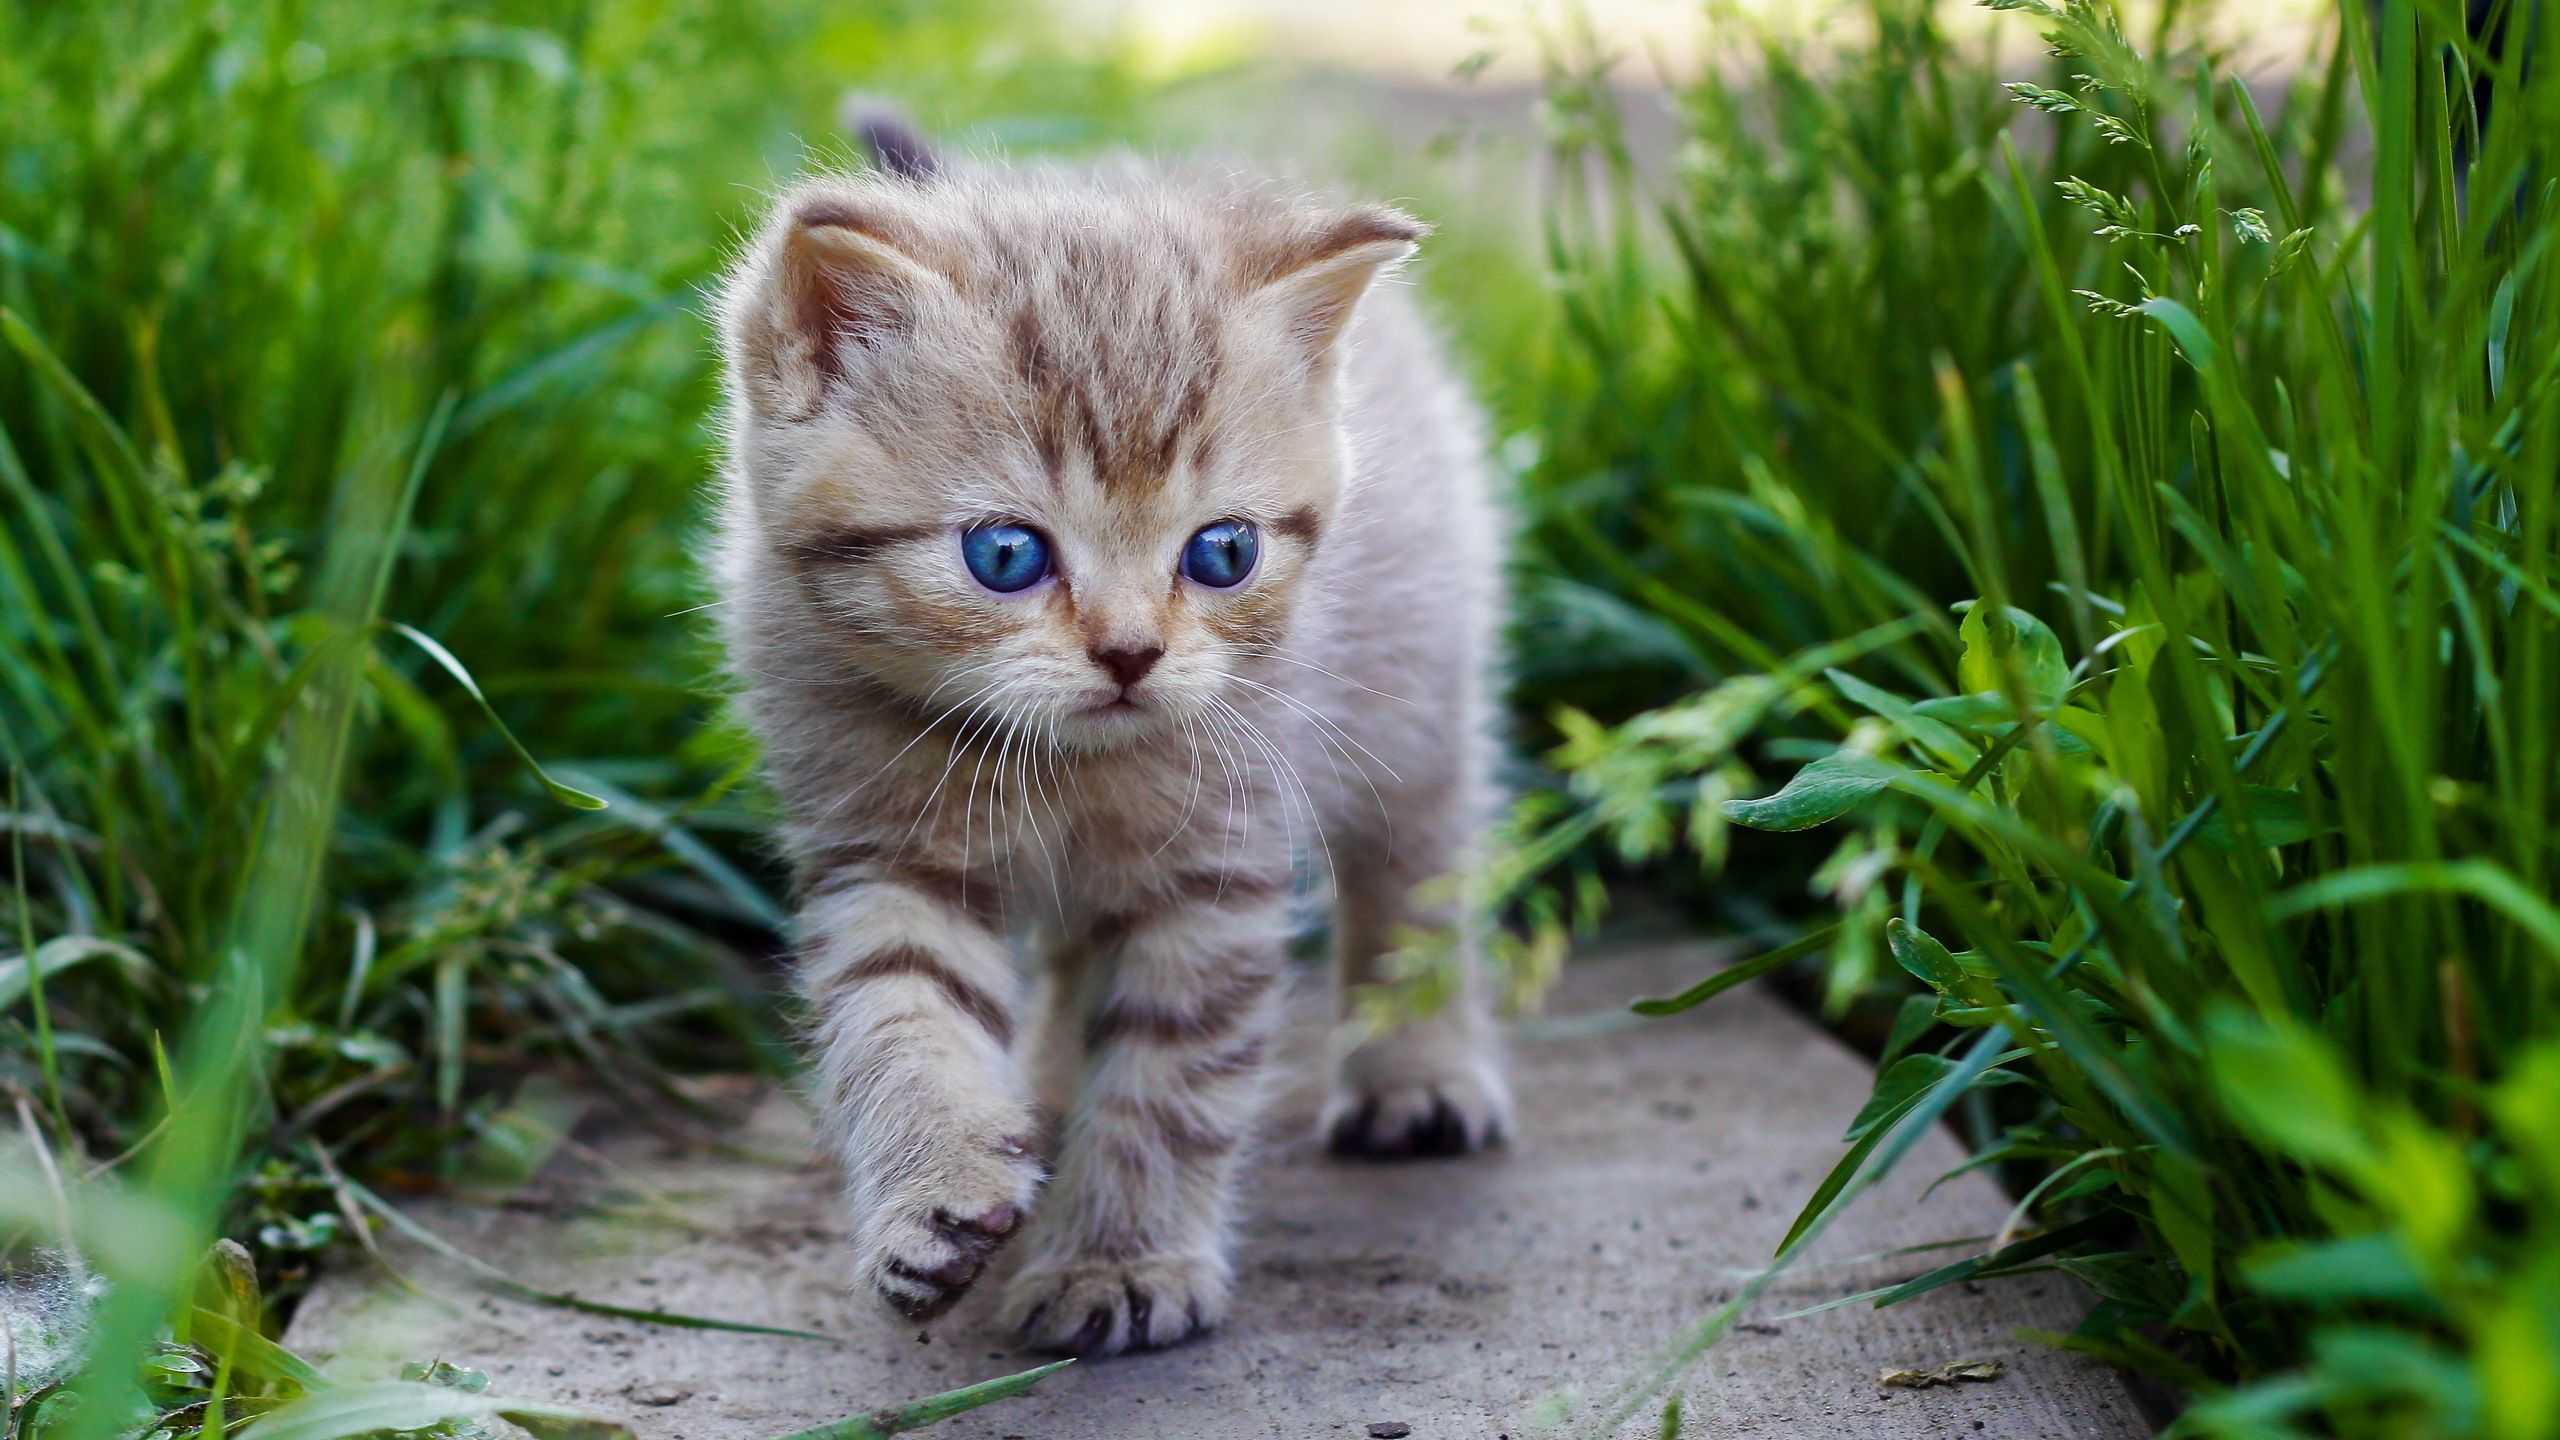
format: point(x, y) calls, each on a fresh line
point(352, 439)
point(2133, 527)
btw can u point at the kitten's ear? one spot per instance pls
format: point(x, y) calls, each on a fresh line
point(1317, 279)
point(826, 288)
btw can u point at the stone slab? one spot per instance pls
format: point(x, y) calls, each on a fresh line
point(1660, 1162)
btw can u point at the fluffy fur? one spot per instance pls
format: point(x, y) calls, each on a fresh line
point(1115, 358)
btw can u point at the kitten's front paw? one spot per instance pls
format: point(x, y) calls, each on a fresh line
point(1389, 1108)
point(927, 1240)
point(1102, 1307)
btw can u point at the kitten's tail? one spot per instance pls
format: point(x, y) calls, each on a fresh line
point(896, 146)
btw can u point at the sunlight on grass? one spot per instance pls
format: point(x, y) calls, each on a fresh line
point(2061, 548)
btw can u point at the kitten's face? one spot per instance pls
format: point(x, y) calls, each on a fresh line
point(1057, 458)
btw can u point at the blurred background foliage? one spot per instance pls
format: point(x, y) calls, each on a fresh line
point(2104, 459)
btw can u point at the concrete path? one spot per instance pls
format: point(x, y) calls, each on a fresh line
point(1661, 1162)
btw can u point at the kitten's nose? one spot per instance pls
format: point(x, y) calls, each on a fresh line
point(1127, 664)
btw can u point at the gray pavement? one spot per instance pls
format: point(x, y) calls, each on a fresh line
point(1660, 1162)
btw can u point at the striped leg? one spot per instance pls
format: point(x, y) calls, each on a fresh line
point(919, 1094)
point(1433, 1087)
point(1131, 1250)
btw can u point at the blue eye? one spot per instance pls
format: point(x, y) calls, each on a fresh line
point(1221, 555)
point(1005, 558)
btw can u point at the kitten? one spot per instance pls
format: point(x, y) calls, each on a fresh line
point(1095, 547)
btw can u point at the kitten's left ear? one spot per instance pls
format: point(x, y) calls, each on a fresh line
point(1316, 281)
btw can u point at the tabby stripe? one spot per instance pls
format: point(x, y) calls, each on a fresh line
point(848, 863)
point(853, 544)
point(1163, 1127)
point(1243, 1059)
point(1227, 885)
point(1169, 1022)
point(1184, 891)
point(965, 995)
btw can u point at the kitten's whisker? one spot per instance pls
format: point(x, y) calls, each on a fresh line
point(1290, 772)
point(1334, 757)
point(1018, 754)
point(1321, 719)
point(933, 799)
point(847, 797)
point(969, 807)
point(1274, 652)
point(1190, 737)
point(1227, 832)
point(1332, 747)
point(1246, 731)
point(1028, 781)
point(1048, 756)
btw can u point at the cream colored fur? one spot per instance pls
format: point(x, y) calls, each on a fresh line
point(1116, 358)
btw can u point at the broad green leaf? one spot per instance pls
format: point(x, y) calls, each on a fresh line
point(252, 1355)
point(2424, 1182)
point(1990, 716)
point(2182, 1207)
point(2526, 1106)
point(2188, 331)
point(1938, 738)
point(2517, 1355)
point(1820, 792)
point(1895, 1089)
point(2359, 1270)
point(2278, 817)
point(370, 1407)
point(2376, 1361)
point(1917, 1013)
point(1916, 951)
point(1911, 1077)
point(68, 952)
point(2000, 640)
point(2287, 1084)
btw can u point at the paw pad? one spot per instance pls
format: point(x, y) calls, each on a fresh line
point(1101, 1308)
point(926, 1291)
point(1451, 1115)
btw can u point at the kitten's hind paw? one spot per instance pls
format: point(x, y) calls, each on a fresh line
point(1094, 1308)
point(1458, 1113)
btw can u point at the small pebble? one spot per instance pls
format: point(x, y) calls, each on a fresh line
point(660, 1395)
point(1389, 1430)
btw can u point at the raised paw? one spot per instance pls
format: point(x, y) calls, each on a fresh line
point(1094, 1308)
point(928, 1238)
point(1403, 1115)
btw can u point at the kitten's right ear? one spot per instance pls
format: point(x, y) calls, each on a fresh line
point(1318, 276)
point(824, 292)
